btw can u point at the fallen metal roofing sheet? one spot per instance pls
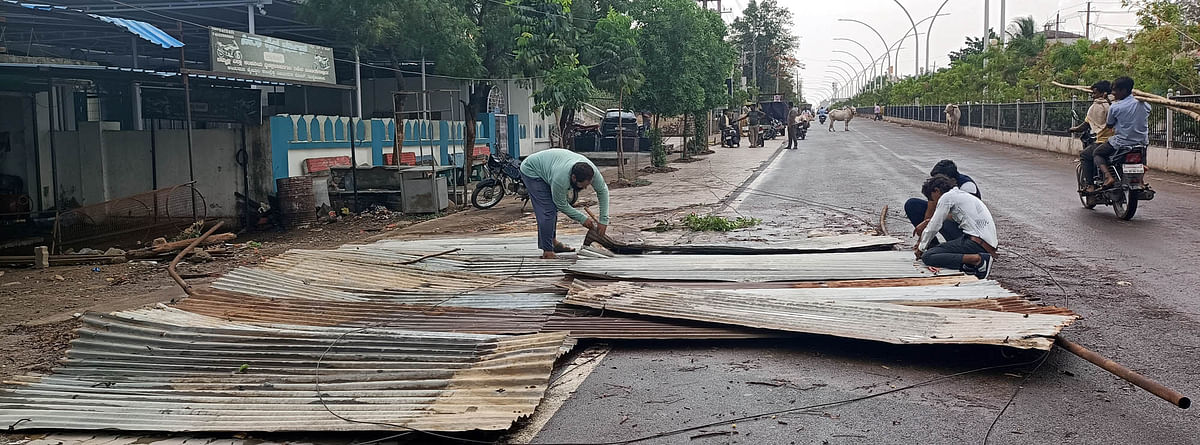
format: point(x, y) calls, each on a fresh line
point(886, 322)
point(964, 291)
point(171, 370)
point(581, 323)
point(740, 268)
point(272, 284)
point(524, 267)
point(513, 245)
point(836, 243)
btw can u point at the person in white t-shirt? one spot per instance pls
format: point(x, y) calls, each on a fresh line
point(973, 252)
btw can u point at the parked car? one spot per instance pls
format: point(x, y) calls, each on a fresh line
point(614, 118)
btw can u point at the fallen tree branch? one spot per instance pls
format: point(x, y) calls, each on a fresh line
point(168, 248)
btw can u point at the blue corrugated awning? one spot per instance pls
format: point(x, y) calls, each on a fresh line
point(142, 29)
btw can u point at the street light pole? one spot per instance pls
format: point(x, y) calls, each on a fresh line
point(874, 71)
point(929, 32)
point(849, 76)
point(886, 47)
point(856, 59)
point(856, 78)
point(916, 41)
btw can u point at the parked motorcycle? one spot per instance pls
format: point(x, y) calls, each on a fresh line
point(1128, 166)
point(503, 177)
point(731, 137)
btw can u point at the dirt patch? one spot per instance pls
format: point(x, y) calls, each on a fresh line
point(625, 183)
point(652, 169)
point(34, 349)
point(688, 160)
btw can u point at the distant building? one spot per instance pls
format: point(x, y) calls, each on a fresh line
point(1064, 37)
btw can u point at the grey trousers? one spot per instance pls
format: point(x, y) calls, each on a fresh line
point(544, 210)
point(949, 255)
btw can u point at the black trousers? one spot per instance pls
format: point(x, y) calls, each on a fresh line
point(792, 134)
point(1094, 155)
point(949, 255)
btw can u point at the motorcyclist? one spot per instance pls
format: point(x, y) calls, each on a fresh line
point(728, 129)
point(1127, 119)
point(1096, 121)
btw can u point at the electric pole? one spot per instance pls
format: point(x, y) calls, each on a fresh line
point(987, 10)
point(1087, 28)
point(1003, 24)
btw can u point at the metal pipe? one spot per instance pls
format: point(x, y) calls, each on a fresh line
point(916, 41)
point(856, 78)
point(929, 32)
point(1129, 375)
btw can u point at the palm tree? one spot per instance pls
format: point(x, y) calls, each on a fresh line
point(1024, 38)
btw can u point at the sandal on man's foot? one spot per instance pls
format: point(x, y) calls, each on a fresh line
point(562, 248)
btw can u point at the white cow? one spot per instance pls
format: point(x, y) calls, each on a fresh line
point(844, 114)
point(953, 115)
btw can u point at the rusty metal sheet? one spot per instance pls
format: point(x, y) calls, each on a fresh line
point(963, 291)
point(594, 324)
point(941, 280)
point(762, 268)
point(580, 323)
point(511, 245)
point(886, 322)
point(170, 370)
point(504, 265)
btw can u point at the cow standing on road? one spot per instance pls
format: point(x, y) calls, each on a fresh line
point(844, 114)
point(953, 114)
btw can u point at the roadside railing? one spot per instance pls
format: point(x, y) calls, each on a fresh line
point(1167, 127)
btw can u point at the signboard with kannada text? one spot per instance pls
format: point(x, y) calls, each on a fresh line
point(241, 53)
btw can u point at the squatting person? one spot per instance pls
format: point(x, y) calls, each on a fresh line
point(549, 176)
point(919, 211)
point(972, 253)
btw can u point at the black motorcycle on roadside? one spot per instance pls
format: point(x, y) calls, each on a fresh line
point(1128, 166)
point(503, 177)
point(731, 137)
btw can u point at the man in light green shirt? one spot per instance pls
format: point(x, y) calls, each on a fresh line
point(549, 176)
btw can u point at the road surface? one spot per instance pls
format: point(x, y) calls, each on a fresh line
point(1136, 283)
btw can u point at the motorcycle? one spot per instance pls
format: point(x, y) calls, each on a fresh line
point(731, 137)
point(1128, 166)
point(821, 117)
point(802, 130)
point(503, 177)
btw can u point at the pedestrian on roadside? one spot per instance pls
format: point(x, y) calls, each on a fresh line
point(920, 211)
point(972, 253)
point(549, 176)
point(878, 112)
point(793, 127)
point(755, 118)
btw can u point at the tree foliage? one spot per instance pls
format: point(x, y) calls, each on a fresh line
point(764, 33)
point(1159, 57)
point(686, 55)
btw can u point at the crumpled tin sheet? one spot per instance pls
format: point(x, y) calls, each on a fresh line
point(523, 267)
point(885, 322)
point(513, 245)
point(760, 268)
point(170, 370)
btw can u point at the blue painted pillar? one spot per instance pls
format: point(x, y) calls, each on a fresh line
point(444, 141)
point(514, 136)
point(378, 136)
point(488, 131)
point(281, 136)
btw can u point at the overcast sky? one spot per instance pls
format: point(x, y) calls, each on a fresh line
point(817, 24)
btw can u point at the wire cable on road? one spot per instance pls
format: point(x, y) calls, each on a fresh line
point(1014, 395)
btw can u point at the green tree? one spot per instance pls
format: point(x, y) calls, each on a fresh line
point(400, 30)
point(618, 66)
point(764, 33)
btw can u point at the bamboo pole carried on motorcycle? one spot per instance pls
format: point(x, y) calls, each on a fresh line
point(1188, 108)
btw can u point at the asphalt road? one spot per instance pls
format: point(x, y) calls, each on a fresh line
point(1136, 283)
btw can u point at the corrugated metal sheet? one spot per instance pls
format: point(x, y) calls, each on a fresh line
point(941, 280)
point(964, 291)
point(170, 370)
point(144, 30)
point(884, 322)
point(507, 266)
point(740, 268)
point(581, 323)
point(836, 243)
point(514, 245)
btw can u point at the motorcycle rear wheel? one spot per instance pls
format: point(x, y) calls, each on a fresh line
point(1127, 207)
point(486, 196)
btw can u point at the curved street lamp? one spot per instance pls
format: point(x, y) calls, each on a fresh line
point(871, 56)
point(930, 31)
point(856, 76)
point(849, 74)
point(916, 41)
point(856, 59)
point(886, 47)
